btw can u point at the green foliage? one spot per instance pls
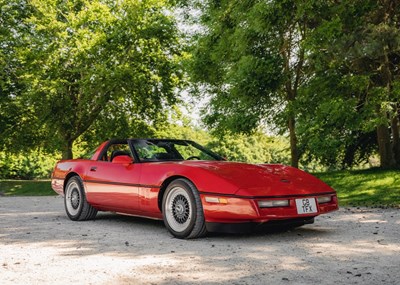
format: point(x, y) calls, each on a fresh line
point(83, 59)
point(332, 130)
point(239, 62)
point(86, 71)
point(353, 92)
point(372, 187)
point(12, 114)
point(33, 165)
point(252, 58)
point(256, 148)
point(329, 71)
point(180, 127)
point(115, 122)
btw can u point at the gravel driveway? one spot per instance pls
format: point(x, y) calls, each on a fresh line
point(40, 245)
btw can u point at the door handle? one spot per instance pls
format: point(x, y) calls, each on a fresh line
point(93, 168)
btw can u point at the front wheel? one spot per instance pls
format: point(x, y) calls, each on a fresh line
point(76, 206)
point(182, 210)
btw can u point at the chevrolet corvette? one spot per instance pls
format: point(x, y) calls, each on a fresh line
point(192, 189)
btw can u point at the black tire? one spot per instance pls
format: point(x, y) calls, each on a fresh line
point(76, 206)
point(182, 210)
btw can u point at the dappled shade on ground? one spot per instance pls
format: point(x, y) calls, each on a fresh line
point(40, 245)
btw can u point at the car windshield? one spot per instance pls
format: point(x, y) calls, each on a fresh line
point(170, 150)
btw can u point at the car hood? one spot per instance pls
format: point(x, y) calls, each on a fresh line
point(264, 179)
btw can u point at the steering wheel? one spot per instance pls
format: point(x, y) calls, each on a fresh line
point(193, 157)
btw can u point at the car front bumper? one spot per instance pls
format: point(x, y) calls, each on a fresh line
point(231, 210)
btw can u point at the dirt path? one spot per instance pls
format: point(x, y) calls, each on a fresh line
point(39, 245)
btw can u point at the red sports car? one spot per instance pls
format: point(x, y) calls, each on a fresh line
point(192, 189)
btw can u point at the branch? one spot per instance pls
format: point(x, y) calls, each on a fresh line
point(85, 122)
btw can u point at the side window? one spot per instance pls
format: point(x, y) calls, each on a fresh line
point(116, 150)
point(157, 151)
point(149, 151)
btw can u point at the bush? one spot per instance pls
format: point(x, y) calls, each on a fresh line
point(33, 165)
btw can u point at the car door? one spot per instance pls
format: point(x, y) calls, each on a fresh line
point(113, 185)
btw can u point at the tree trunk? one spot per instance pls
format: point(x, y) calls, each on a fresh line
point(293, 142)
point(396, 139)
point(385, 144)
point(292, 49)
point(67, 150)
point(385, 147)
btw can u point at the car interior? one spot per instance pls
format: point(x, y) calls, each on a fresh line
point(115, 150)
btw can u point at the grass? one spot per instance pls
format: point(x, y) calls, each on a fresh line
point(26, 188)
point(372, 187)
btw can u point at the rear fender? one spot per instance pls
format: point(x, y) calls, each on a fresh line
point(64, 170)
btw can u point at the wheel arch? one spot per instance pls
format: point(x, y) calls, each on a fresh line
point(68, 177)
point(164, 186)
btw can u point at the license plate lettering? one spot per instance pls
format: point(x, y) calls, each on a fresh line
point(306, 206)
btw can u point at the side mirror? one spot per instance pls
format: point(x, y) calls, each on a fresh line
point(122, 159)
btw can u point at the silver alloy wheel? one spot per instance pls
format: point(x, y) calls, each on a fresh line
point(178, 209)
point(73, 198)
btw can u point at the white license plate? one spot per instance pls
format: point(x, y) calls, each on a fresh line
point(306, 206)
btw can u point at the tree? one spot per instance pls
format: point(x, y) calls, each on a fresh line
point(255, 148)
point(353, 96)
point(332, 127)
point(82, 57)
point(115, 121)
point(12, 114)
point(252, 58)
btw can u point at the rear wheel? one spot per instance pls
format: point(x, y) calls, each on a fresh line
point(182, 210)
point(76, 206)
